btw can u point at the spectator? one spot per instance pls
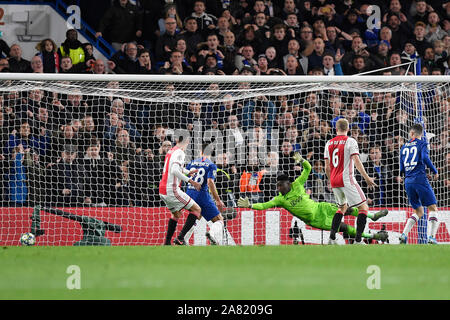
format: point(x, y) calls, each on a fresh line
point(211, 48)
point(144, 178)
point(99, 67)
point(126, 61)
point(421, 12)
point(434, 31)
point(191, 35)
point(294, 49)
point(250, 180)
point(4, 65)
point(245, 58)
point(319, 184)
point(409, 53)
point(68, 67)
point(176, 65)
point(194, 114)
point(400, 30)
point(226, 180)
point(16, 62)
point(280, 40)
point(101, 176)
point(36, 64)
point(4, 49)
point(376, 197)
point(287, 163)
point(234, 134)
point(272, 58)
point(26, 139)
point(167, 41)
point(419, 41)
point(332, 64)
point(72, 48)
point(145, 61)
point(206, 22)
point(118, 120)
point(223, 26)
point(66, 179)
point(293, 138)
point(386, 36)
point(263, 30)
point(334, 35)
point(170, 10)
point(293, 66)
point(353, 23)
point(315, 58)
point(18, 191)
point(50, 58)
point(268, 184)
point(122, 23)
point(429, 59)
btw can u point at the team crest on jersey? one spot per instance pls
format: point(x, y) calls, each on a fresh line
point(295, 201)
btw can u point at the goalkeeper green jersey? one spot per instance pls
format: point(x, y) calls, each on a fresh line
point(296, 201)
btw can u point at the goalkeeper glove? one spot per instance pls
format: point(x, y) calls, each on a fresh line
point(298, 158)
point(244, 203)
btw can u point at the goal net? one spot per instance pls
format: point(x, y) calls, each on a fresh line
point(82, 156)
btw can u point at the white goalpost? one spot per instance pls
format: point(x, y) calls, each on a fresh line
point(82, 155)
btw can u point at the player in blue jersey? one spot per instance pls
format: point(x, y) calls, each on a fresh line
point(206, 175)
point(413, 162)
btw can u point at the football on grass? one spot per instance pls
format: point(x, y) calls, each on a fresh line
point(27, 239)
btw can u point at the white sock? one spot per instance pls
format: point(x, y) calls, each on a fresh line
point(434, 223)
point(410, 223)
point(217, 231)
point(188, 235)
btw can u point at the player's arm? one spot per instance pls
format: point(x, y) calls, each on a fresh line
point(428, 163)
point(215, 194)
point(359, 166)
point(327, 168)
point(306, 168)
point(402, 166)
point(177, 171)
point(326, 157)
point(245, 203)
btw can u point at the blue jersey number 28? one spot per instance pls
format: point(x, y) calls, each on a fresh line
point(407, 161)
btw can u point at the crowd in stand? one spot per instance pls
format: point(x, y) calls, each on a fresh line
point(75, 149)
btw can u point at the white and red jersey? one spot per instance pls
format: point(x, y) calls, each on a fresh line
point(170, 184)
point(339, 151)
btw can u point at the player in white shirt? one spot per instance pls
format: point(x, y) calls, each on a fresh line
point(341, 156)
point(172, 195)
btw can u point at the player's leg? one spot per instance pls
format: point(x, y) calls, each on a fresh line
point(195, 213)
point(361, 221)
point(356, 198)
point(351, 231)
point(171, 227)
point(428, 199)
point(433, 223)
point(216, 230)
point(173, 220)
point(212, 214)
point(373, 216)
point(337, 218)
point(416, 204)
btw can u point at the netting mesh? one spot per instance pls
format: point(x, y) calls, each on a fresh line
point(96, 150)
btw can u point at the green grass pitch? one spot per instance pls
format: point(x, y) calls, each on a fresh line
point(253, 272)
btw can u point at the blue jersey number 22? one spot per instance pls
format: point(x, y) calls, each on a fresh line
point(410, 162)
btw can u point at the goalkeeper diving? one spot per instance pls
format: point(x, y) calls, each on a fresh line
point(293, 198)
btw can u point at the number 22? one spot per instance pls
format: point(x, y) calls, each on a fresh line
point(407, 152)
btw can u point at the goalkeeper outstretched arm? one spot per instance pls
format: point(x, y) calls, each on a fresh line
point(275, 202)
point(306, 168)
